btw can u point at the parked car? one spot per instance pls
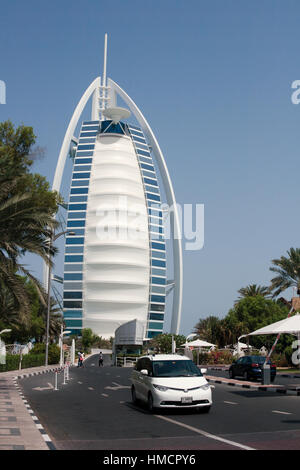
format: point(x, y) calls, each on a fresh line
point(250, 367)
point(170, 381)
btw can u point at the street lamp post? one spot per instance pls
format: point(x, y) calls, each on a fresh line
point(53, 238)
point(61, 336)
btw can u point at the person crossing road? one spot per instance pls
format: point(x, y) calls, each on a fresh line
point(80, 359)
point(100, 359)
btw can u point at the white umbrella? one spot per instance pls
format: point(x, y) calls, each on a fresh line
point(290, 325)
point(198, 343)
point(243, 345)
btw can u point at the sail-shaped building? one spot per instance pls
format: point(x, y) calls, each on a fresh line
point(115, 256)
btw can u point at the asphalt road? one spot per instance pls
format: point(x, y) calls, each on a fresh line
point(94, 411)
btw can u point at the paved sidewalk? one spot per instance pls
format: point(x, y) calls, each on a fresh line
point(19, 427)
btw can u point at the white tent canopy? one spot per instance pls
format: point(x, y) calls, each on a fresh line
point(243, 345)
point(289, 325)
point(198, 343)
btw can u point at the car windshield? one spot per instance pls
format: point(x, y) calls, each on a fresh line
point(175, 368)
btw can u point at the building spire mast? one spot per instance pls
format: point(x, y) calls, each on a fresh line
point(103, 87)
point(104, 61)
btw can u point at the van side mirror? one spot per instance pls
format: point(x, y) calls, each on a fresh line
point(144, 372)
point(203, 371)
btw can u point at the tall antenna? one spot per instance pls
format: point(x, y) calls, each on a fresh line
point(104, 61)
point(103, 88)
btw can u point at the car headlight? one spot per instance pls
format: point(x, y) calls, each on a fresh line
point(160, 388)
point(205, 387)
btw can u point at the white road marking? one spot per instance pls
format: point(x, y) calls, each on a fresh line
point(40, 389)
point(281, 412)
point(230, 402)
point(116, 387)
point(91, 388)
point(205, 434)
point(79, 383)
point(104, 395)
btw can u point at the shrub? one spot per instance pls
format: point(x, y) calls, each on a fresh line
point(214, 357)
point(53, 352)
point(12, 363)
point(28, 360)
point(288, 352)
point(35, 360)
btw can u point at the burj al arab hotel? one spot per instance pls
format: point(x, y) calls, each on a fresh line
point(115, 254)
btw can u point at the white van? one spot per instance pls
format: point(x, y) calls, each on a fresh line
point(170, 381)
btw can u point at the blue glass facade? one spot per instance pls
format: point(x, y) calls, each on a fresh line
point(73, 276)
point(73, 290)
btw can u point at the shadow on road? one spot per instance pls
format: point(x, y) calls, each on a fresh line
point(142, 408)
point(254, 394)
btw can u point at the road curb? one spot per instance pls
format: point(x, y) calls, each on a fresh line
point(31, 374)
point(36, 421)
point(261, 388)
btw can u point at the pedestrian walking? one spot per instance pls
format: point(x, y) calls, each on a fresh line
point(100, 359)
point(80, 359)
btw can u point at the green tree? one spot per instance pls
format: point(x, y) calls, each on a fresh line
point(252, 290)
point(287, 269)
point(252, 313)
point(213, 330)
point(27, 209)
point(88, 339)
point(163, 343)
point(34, 325)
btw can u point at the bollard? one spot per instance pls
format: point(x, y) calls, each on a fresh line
point(55, 388)
point(68, 376)
point(266, 374)
point(64, 382)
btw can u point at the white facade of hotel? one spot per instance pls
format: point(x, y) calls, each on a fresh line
point(111, 279)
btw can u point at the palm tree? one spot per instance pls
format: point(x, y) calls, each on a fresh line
point(211, 329)
point(253, 290)
point(8, 307)
point(55, 320)
point(27, 208)
point(288, 272)
point(23, 228)
point(33, 325)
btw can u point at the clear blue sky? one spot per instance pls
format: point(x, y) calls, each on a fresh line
point(213, 78)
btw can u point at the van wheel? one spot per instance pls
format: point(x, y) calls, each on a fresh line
point(150, 403)
point(133, 395)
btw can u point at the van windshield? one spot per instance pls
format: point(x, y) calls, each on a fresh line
point(175, 369)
